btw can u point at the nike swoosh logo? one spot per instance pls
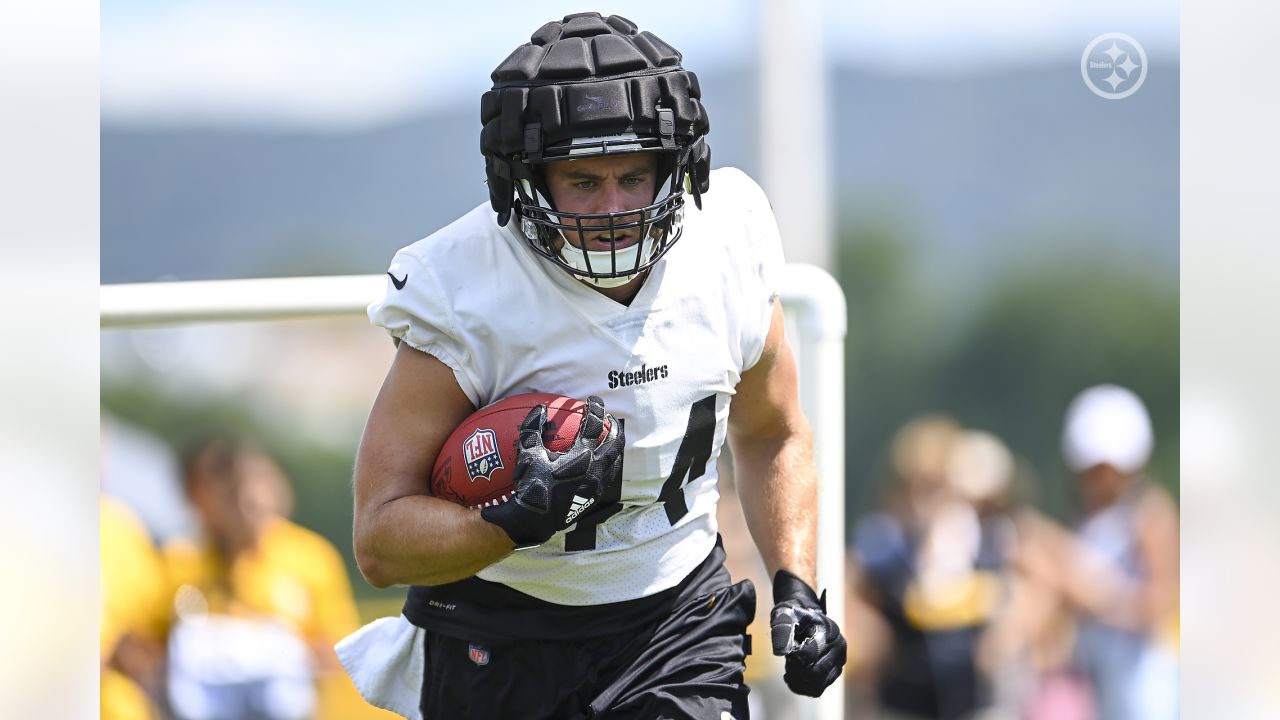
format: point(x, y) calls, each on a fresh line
point(397, 282)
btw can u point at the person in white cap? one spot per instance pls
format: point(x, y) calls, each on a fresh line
point(1126, 574)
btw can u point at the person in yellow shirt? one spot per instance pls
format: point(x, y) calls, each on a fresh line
point(134, 611)
point(259, 601)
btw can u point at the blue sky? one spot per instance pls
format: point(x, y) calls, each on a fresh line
point(330, 63)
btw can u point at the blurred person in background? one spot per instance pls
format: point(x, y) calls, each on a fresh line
point(259, 600)
point(1026, 649)
point(134, 614)
point(931, 566)
point(981, 472)
point(1121, 569)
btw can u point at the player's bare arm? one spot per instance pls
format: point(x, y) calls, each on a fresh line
point(778, 486)
point(1158, 544)
point(1137, 605)
point(403, 535)
point(773, 459)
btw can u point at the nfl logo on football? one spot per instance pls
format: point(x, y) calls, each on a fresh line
point(481, 453)
point(479, 654)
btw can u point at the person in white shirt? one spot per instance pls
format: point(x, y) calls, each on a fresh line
point(1124, 578)
point(587, 274)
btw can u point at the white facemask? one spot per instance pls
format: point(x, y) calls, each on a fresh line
point(601, 261)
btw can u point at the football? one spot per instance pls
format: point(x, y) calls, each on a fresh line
point(475, 466)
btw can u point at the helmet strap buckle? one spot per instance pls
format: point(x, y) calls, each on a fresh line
point(533, 142)
point(667, 127)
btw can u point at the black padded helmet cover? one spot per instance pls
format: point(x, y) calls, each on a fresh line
point(590, 76)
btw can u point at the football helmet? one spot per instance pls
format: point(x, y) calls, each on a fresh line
point(589, 86)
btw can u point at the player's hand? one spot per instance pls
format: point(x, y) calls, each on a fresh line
point(801, 631)
point(554, 489)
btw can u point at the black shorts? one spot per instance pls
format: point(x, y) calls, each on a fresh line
point(688, 663)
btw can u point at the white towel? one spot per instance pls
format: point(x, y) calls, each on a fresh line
point(385, 662)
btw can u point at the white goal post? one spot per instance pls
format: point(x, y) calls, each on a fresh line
point(816, 321)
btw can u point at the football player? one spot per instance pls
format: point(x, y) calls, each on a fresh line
point(603, 267)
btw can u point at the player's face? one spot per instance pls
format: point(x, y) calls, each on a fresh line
point(604, 184)
point(216, 500)
point(1100, 486)
point(235, 507)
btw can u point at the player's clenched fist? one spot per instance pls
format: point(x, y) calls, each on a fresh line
point(553, 490)
point(801, 631)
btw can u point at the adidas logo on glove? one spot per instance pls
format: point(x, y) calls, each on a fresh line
point(578, 505)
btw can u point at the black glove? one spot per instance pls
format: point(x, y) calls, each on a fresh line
point(802, 631)
point(553, 490)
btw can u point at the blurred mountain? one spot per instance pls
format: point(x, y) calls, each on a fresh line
point(980, 171)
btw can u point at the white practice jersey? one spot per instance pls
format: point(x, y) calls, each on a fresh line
point(507, 321)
